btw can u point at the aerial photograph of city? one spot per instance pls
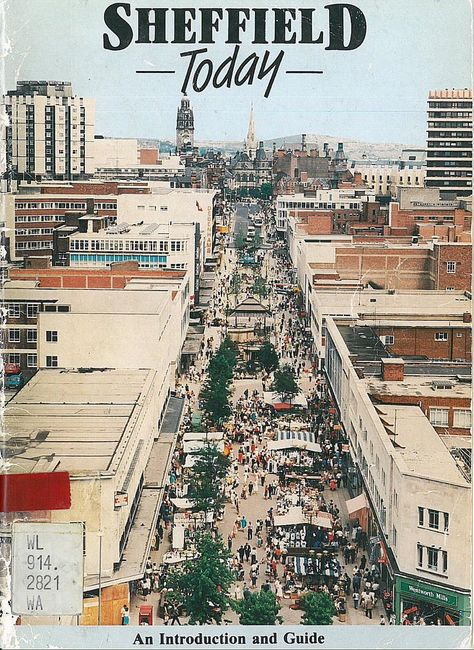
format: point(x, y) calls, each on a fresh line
point(236, 350)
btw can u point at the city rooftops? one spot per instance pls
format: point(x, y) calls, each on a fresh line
point(418, 449)
point(402, 305)
point(145, 230)
point(78, 421)
point(425, 385)
point(84, 301)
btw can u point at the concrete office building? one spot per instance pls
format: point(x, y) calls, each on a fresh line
point(449, 141)
point(418, 495)
point(50, 131)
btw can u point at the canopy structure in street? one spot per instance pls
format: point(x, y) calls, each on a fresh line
point(303, 440)
point(279, 404)
point(211, 436)
point(192, 446)
point(358, 508)
point(294, 517)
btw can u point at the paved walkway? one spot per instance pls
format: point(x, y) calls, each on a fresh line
point(255, 506)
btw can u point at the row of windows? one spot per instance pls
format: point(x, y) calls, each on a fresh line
point(163, 208)
point(57, 205)
point(14, 335)
point(32, 245)
point(23, 218)
point(162, 246)
point(449, 154)
point(450, 104)
point(144, 261)
point(460, 144)
point(450, 134)
point(312, 205)
point(450, 114)
point(462, 418)
point(34, 231)
point(16, 309)
point(31, 359)
point(453, 125)
point(105, 206)
point(433, 519)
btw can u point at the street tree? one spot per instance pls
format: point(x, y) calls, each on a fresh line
point(285, 383)
point(259, 608)
point(206, 485)
point(201, 585)
point(215, 400)
point(239, 240)
point(318, 609)
point(259, 287)
point(268, 357)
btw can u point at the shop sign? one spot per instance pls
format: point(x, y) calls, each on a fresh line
point(428, 593)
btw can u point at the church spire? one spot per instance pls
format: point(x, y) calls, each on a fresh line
point(251, 140)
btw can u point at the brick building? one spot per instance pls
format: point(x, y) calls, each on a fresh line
point(39, 209)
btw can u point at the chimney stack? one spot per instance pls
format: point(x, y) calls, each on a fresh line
point(392, 369)
point(303, 142)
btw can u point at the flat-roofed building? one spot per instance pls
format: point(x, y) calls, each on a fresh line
point(142, 325)
point(418, 496)
point(103, 428)
point(411, 324)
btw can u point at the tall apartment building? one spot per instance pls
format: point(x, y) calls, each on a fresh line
point(49, 132)
point(449, 142)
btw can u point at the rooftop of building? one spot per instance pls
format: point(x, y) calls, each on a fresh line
point(420, 386)
point(85, 301)
point(377, 303)
point(419, 451)
point(366, 351)
point(145, 230)
point(78, 421)
point(120, 268)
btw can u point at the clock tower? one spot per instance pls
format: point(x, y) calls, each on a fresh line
point(185, 125)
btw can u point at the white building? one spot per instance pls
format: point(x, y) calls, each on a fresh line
point(420, 500)
point(103, 428)
point(114, 152)
point(386, 179)
point(173, 246)
point(50, 131)
point(172, 205)
point(166, 168)
point(143, 325)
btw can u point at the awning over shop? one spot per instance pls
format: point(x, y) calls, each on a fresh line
point(178, 537)
point(212, 436)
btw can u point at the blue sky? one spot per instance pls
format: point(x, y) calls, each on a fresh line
point(376, 93)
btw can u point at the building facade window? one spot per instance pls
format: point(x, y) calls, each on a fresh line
point(451, 267)
point(462, 418)
point(14, 310)
point(31, 336)
point(51, 336)
point(439, 417)
point(433, 519)
point(432, 559)
point(32, 310)
point(441, 336)
point(31, 360)
point(14, 358)
point(14, 335)
point(51, 362)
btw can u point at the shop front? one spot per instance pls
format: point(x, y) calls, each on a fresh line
point(436, 605)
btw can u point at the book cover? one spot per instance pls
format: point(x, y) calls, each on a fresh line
point(236, 324)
